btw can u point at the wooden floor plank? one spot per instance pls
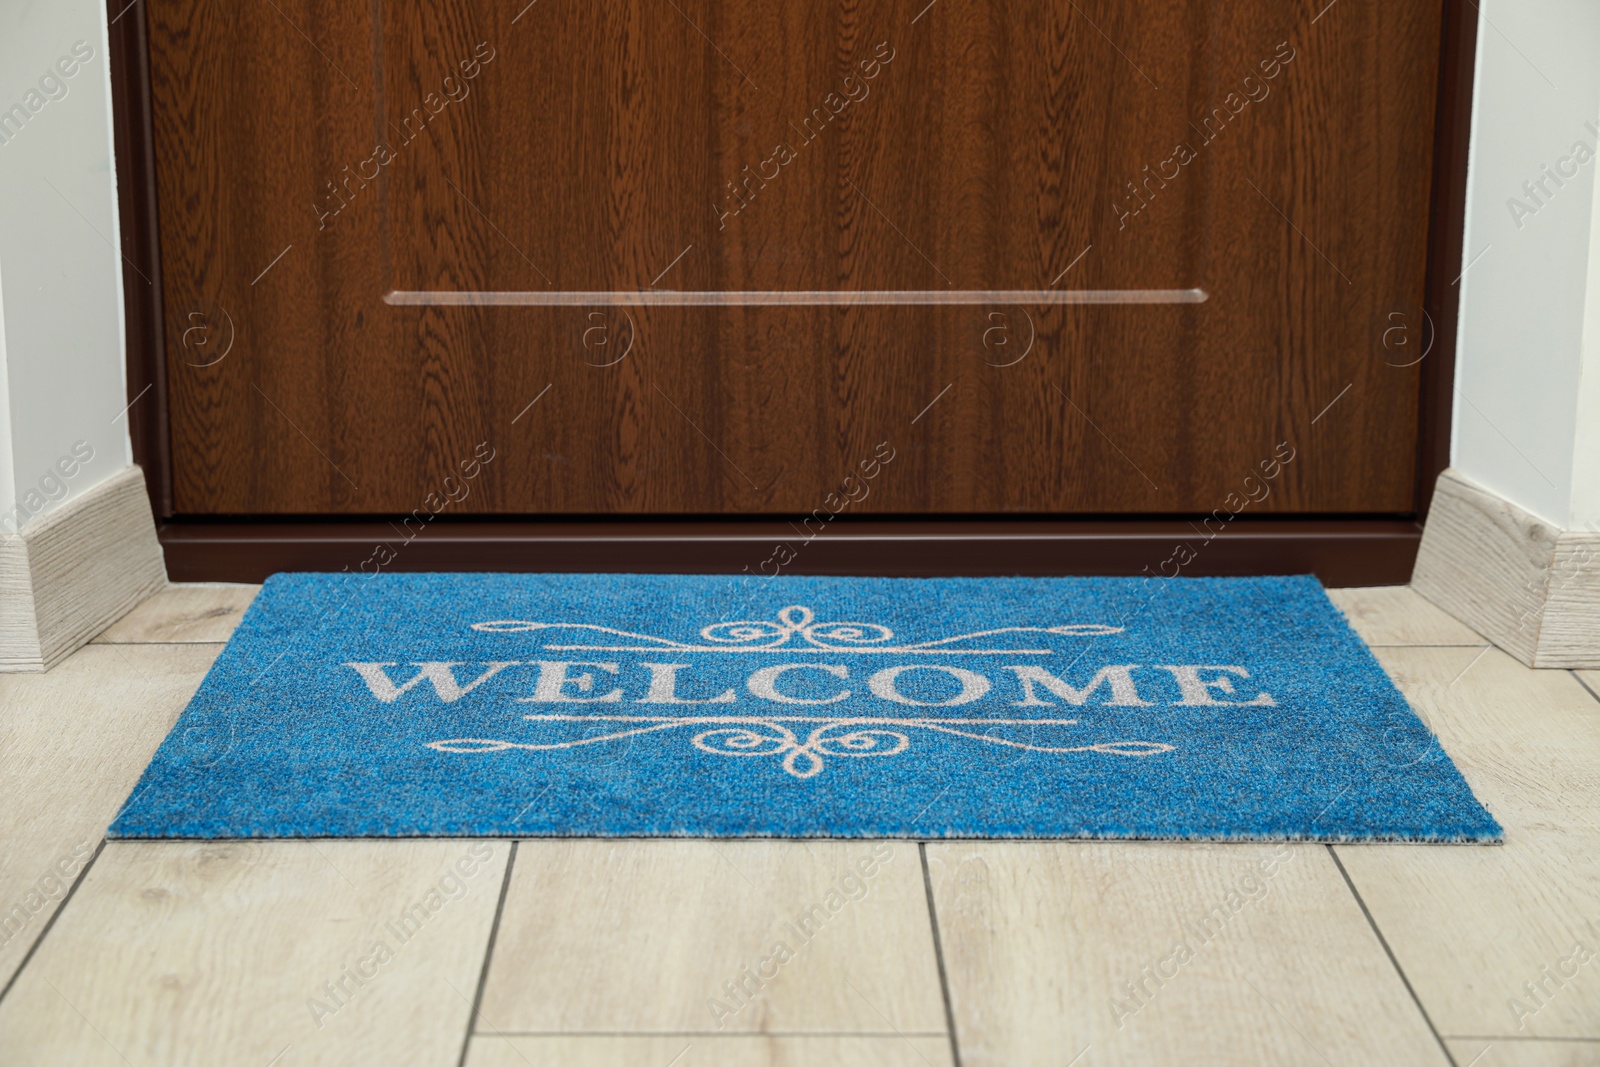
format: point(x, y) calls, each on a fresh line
point(1479, 1052)
point(634, 950)
point(1152, 953)
point(735, 936)
point(1483, 934)
point(700, 1050)
point(199, 612)
point(73, 741)
point(1525, 739)
point(1397, 615)
point(1475, 928)
point(282, 952)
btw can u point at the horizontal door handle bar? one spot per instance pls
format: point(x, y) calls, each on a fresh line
point(816, 298)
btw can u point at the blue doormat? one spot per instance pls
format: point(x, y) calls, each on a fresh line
point(714, 706)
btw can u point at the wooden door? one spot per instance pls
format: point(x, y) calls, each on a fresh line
point(711, 257)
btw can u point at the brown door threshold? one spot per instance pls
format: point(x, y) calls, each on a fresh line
point(1342, 552)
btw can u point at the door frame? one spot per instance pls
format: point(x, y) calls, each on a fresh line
point(1341, 550)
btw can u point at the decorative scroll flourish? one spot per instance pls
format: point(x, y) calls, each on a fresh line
point(796, 630)
point(766, 735)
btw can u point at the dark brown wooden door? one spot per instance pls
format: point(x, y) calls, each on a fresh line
point(712, 257)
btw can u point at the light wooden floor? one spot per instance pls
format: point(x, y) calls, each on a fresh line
point(593, 952)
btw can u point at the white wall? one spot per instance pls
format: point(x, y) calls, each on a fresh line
point(1585, 511)
point(7, 480)
point(61, 332)
point(1527, 405)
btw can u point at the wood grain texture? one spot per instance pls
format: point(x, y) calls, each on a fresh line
point(1472, 927)
point(133, 150)
point(1061, 950)
point(597, 146)
point(1531, 587)
point(1523, 738)
point(614, 938)
point(1486, 562)
point(1476, 1052)
point(1569, 634)
point(1399, 615)
point(225, 952)
point(1484, 936)
point(709, 1050)
point(183, 614)
point(1448, 214)
point(65, 577)
point(655, 936)
point(73, 743)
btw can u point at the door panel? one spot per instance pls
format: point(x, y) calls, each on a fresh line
point(1061, 257)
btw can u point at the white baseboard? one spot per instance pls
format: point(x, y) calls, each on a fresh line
point(72, 573)
point(1530, 587)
